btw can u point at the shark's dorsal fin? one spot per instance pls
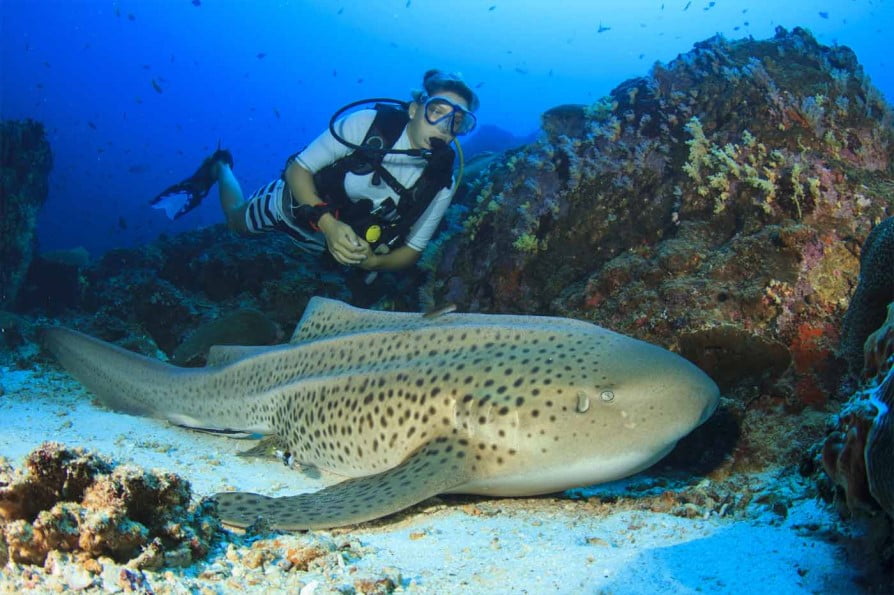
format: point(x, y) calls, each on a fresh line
point(219, 355)
point(325, 317)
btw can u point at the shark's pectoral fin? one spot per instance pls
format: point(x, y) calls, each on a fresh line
point(436, 467)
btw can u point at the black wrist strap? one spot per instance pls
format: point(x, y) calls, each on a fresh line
point(311, 214)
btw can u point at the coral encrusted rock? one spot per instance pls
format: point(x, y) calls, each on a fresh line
point(70, 500)
point(858, 454)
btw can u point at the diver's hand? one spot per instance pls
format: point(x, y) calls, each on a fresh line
point(344, 245)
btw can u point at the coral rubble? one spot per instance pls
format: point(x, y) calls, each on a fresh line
point(25, 162)
point(72, 501)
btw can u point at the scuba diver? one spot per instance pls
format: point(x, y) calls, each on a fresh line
point(371, 189)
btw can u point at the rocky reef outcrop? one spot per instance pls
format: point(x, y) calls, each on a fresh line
point(190, 290)
point(716, 206)
point(25, 163)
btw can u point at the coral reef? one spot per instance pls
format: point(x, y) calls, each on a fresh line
point(874, 292)
point(25, 163)
point(73, 501)
point(858, 454)
point(715, 206)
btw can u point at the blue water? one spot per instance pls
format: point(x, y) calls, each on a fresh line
point(135, 93)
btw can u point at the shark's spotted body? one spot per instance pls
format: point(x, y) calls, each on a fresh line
point(409, 407)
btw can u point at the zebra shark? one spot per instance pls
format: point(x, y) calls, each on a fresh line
point(407, 407)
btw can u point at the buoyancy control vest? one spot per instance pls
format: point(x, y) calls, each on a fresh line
point(393, 219)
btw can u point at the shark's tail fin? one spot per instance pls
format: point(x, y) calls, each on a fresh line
point(136, 384)
point(119, 378)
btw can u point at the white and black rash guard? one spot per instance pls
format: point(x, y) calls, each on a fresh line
point(406, 169)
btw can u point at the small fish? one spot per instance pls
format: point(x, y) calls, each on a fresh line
point(91, 125)
point(122, 223)
point(408, 3)
point(261, 55)
point(157, 87)
point(196, 2)
point(602, 28)
point(492, 7)
point(340, 10)
point(479, 85)
point(824, 15)
point(709, 6)
point(360, 81)
point(276, 113)
point(521, 70)
point(131, 17)
point(334, 72)
point(688, 4)
point(137, 169)
point(147, 66)
point(641, 56)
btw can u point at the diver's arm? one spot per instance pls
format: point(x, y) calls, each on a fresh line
point(342, 242)
point(399, 258)
point(301, 183)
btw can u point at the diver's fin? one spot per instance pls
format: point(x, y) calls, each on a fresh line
point(182, 197)
point(440, 465)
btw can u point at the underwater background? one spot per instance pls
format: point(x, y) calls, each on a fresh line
point(713, 178)
point(134, 94)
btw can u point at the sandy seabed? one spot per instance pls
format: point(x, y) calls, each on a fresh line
point(452, 545)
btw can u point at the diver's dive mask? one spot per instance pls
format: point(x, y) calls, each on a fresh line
point(451, 118)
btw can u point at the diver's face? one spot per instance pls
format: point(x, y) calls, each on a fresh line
point(421, 131)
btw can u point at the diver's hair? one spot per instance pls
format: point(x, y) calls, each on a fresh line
point(434, 81)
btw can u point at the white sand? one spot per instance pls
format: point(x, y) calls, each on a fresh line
point(535, 545)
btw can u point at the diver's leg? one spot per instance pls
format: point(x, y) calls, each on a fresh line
point(231, 199)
